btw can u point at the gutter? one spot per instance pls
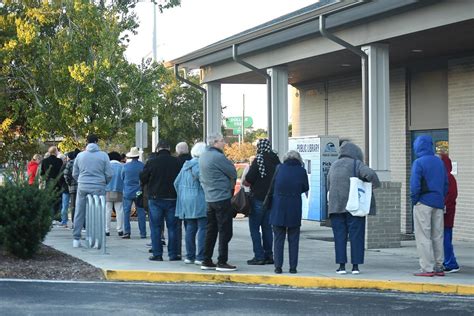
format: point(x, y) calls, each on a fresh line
point(268, 79)
point(365, 79)
point(204, 99)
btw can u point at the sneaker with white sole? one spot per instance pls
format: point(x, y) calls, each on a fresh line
point(453, 270)
point(225, 267)
point(198, 262)
point(355, 271)
point(188, 261)
point(208, 266)
point(76, 243)
point(341, 271)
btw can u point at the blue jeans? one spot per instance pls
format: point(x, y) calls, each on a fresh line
point(127, 208)
point(160, 209)
point(195, 226)
point(65, 207)
point(293, 245)
point(449, 257)
point(344, 225)
point(260, 218)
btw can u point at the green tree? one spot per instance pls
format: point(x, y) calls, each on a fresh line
point(63, 74)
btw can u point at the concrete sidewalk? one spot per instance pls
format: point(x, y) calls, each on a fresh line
point(385, 269)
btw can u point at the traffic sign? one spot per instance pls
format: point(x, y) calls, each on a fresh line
point(236, 122)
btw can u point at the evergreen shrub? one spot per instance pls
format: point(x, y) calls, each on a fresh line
point(25, 215)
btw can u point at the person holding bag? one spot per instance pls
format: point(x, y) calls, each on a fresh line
point(344, 224)
point(259, 177)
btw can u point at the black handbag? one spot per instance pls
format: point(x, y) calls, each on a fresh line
point(241, 203)
point(267, 202)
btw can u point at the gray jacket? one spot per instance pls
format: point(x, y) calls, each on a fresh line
point(217, 176)
point(92, 168)
point(340, 172)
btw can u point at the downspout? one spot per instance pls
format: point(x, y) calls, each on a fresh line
point(204, 99)
point(365, 79)
point(269, 87)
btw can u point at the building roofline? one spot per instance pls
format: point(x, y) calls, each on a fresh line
point(291, 27)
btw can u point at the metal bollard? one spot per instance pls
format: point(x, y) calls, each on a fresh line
point(95, 222)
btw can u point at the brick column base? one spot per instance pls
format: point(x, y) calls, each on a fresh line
point(383, 229)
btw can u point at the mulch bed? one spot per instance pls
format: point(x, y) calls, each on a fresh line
point(48, 264)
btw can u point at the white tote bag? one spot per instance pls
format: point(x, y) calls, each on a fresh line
point(360, 195)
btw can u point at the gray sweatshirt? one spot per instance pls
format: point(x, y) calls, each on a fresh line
point(217, 176)
point(340, 172)
point(92, 168)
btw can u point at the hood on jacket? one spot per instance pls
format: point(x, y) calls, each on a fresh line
point(351, 150)
point(423, 146)
point(447, 162)
point(92, 147)
point(189, 164)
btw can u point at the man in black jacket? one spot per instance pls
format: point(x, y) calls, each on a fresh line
point(159, 175)
point(51, 168)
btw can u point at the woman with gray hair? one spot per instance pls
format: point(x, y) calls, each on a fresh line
point(290, 181)
point(191, 205)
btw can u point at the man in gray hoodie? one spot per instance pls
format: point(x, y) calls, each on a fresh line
point(217, 178)
point(92, 172)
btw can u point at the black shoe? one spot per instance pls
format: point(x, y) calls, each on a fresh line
point(278, 270)
point(175, 259)
point(142, 237)
point(150, 250)
point(126, 236)
point(107, 234)
point(225, 267)
point(293, 270)
point(208, 265)
point(120, 234)
point(156, 258)
point(255, 262)
point(269, 261)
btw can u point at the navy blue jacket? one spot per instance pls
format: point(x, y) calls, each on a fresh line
point(291, 181)
point(428, 181)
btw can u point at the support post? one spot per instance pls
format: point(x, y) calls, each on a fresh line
point(279, 91)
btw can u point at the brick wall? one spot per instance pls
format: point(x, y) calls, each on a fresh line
point(461, 141)
point(383, 230)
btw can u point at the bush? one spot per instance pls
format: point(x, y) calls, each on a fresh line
point(25, 215)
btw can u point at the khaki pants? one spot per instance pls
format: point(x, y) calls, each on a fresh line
point(429, 227)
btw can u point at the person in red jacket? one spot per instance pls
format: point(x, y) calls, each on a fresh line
point(450, 263)
point(32, 168)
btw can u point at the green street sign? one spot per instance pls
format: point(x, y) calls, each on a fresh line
point(236, 122)
point(236, 131)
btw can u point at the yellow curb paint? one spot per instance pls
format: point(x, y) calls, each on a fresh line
point(294, 281)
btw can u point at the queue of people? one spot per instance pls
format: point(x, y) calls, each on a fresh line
point(196, 190)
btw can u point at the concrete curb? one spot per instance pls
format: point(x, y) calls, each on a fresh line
point(294, 281)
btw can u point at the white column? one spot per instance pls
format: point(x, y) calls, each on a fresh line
point(279, 90)
point(214, 108)
point(379, 109)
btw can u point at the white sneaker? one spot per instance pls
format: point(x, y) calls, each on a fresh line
point(76, 243)
point(187, 261)
point(197, 262)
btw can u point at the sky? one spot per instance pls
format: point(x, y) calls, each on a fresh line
point(198, 23)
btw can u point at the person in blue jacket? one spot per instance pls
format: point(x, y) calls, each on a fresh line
point(191, 205)
point(428, 189)
point(131, 185)
point(290, 181)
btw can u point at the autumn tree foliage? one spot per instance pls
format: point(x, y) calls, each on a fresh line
point(239, 152)
point(63, 75)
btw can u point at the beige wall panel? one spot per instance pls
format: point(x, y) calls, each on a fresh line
point(461, 142)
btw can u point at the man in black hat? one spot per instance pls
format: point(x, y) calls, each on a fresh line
point(159, 175)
